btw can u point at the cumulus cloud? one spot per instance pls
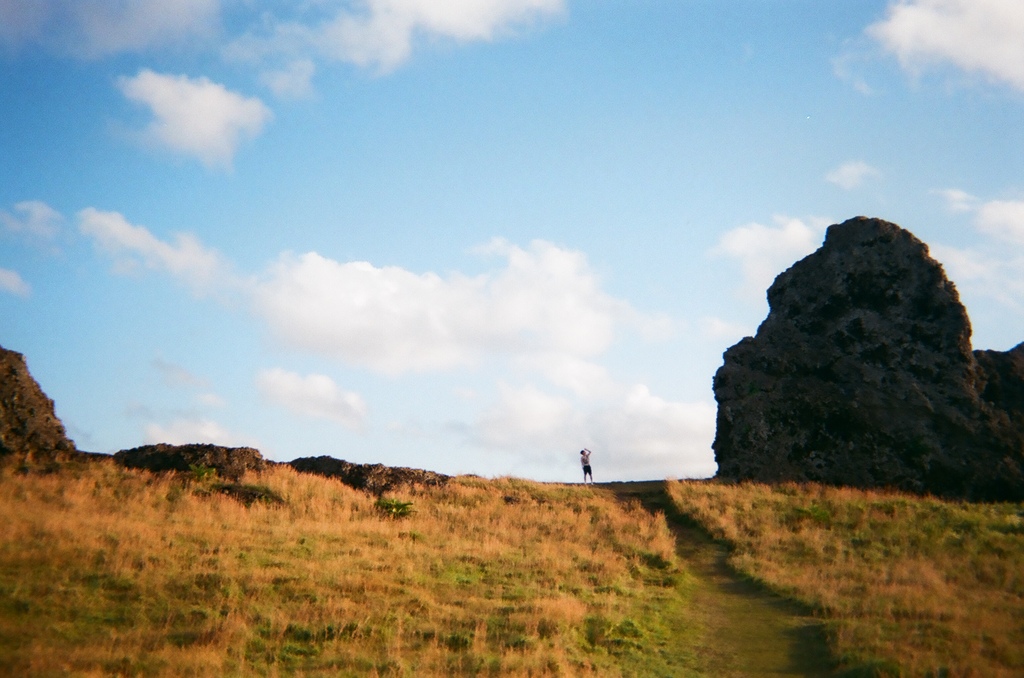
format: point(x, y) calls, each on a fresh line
point(32, 219)
point(851, 174)
point(543, 306)
point(381, 34)
point(977, 36)
point(765, 251)
point(527, 419)
point(995, 266)
point(847, 67)
point(584, 378)
point(650, 434)
point(993, 272)
point(294, 81)
point(540, 309)
point(95, 28)
point(545, 299)
point(639, 435)
point(313, 395)
point(12, 283)
point(186, 431)
point(958, 200)
point(1002, 219)
point(210, 400)
point(717, 328)
point(136, 247)
point(196, 117)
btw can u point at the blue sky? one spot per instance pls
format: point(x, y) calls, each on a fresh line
point(473, 236)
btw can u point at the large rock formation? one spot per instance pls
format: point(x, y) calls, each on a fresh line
point(375, 478)
point(230, 463)
point(30, 432)
point(862, 374)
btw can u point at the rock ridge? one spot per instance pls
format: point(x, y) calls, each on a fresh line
point(863, 375)
point(374, 478)
point(30, 432)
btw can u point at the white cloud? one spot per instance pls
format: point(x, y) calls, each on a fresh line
point(294, 81)
point(543, 306)
point(994, 267)
point(958, 200)
point(314, 395)
point(648, 435)
point(12, 283)
point(764, 251)
point(978, 36)
point(846, 67)
point(196, 117)
point(210, 400)
point(94, 28)
point(381, 34)
point(635, 434)
point(528, 420)
point(545, 300)
point(134, 246)
point(188, 431)
point(717, 328)
point(584, 378)
point(541, 309)
point(33, 219)
point(22, 22)
point(384, 34)
point(993, 272)
point(851, 174)
point(1002, 219)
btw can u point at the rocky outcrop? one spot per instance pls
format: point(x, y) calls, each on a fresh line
point(231, 463)
point(863, 374)
point(30, 432)
point(375, 478)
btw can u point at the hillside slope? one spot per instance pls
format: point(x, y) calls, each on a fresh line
point(108, 571)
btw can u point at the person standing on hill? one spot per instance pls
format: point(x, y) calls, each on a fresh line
point(585, 460)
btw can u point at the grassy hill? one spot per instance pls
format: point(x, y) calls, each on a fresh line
point(107, 571)
point(906, 585)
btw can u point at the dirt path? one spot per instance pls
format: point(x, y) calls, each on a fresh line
point(749, 631)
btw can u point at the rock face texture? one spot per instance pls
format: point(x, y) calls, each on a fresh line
point(30, 432)
point(863, 375)
point(375, 478)
point(231, 463)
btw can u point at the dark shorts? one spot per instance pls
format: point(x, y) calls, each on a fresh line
point(586, 470)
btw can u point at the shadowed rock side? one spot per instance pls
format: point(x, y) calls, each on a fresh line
point(862, 374)
point(30, 432)
point(375, 478)
point(231, 463)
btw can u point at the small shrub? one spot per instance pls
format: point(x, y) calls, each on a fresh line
point(394, 508)
point(202, 473)
point(250, 494)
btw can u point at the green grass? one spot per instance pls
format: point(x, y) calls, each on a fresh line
point(106, 571)
point(907, 585)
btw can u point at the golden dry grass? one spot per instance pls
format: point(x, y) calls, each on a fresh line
point(909, 585)
point(106, 571)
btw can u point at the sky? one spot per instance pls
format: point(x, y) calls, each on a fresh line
point(473, 236)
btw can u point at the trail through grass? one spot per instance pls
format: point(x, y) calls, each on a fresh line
point(747, 630)
point(906, 585)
